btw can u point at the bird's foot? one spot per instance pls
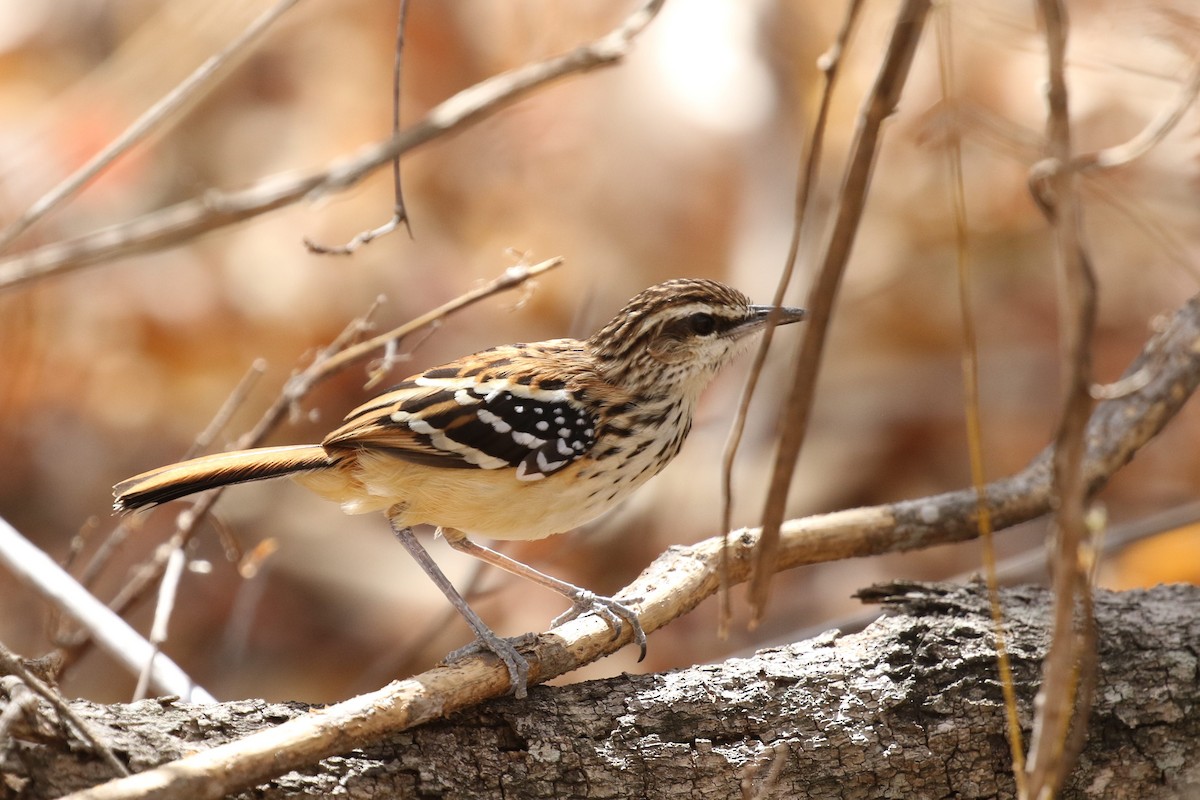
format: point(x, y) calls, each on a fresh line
point(505, 650)
point(614, 612)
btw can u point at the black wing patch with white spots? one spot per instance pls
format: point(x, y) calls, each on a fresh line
point(492, 425)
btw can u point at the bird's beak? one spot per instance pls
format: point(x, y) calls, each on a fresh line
point(758, 317)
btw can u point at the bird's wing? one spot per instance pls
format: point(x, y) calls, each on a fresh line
point(499, 409)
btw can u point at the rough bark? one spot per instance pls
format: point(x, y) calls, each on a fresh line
point(910, 707)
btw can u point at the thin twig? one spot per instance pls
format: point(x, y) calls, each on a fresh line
point(168, 590)
point(68, 643)
point(678, 581)
point(877, 107)
point(170, 226)
point(511, 278)
point(828, 64)
point(233, 402)
point(11, 664)
point(112, 634)
point(193, 87)
point(1151, 135)
point(202, 442)
point(188, 521)
point(399, 211)
point(1060, 697)
point(974, 424)
point(120, 532)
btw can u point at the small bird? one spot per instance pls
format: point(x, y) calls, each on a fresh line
point(517, 442)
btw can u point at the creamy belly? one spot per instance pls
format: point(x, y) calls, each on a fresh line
point(490, 503)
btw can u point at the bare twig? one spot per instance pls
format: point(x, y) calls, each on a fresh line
point(194, 86)
point(113, 635)
point(69, 643)
point(237, 397)
point(175, 224)
point(11, 664)
point(828, 63)
point(1151, 135)
point(877, 107)
point(399, 212)
point(511, 278)
point(678, 581)
point(974, 424)
point(168, 590)
point(1060, 699)
point(202, 442)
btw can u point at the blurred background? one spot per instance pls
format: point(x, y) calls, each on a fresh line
point(681, 161)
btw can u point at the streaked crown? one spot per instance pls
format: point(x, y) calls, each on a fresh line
point(674, 336)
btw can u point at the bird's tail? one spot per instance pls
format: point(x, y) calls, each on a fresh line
point(221, 469)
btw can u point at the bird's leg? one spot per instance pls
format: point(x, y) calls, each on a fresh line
point(614, 612)
point(518, 667)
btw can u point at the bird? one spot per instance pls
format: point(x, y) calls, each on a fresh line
point(515, 442)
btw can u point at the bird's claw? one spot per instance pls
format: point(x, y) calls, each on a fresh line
point(614, 612)
point(505, 650)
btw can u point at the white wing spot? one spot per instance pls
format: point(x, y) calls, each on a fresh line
point(527, 439)
point(542, 425)
point(498, 424)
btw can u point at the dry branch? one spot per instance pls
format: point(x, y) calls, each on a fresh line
point(830, 65)
point(1068, 674)
point(910, 707)
point(877, 106)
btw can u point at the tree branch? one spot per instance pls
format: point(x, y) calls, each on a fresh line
point(909, 707)
point(835, 254)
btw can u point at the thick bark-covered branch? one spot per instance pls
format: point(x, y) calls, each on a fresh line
point(909, 707)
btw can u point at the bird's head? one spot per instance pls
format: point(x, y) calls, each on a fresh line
point(675, 336)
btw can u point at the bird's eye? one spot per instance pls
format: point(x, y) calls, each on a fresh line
point(702, 324)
